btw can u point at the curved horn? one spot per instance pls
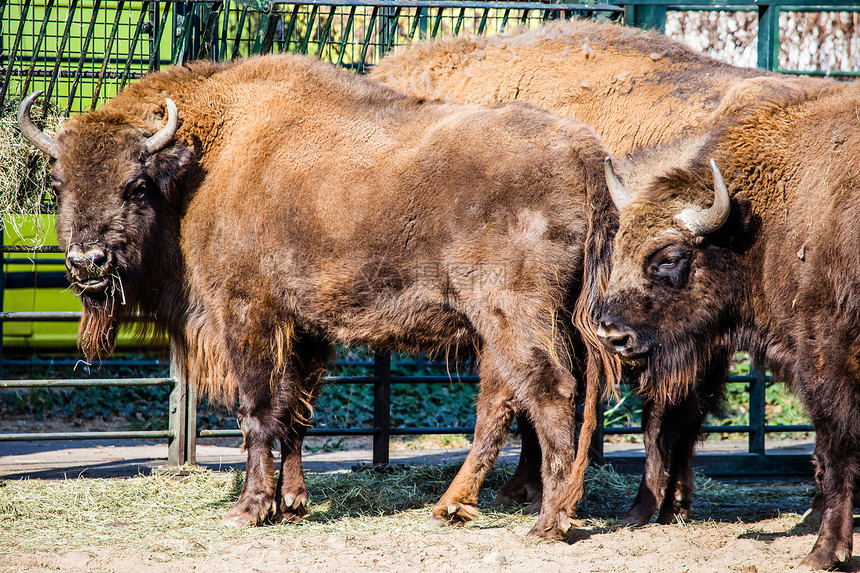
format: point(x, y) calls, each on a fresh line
point(708, 221)
point(620, 196)
point(158, 140)
point(34, 135)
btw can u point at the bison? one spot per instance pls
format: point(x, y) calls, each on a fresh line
point(751, 240)
point(634, 88)
point(262, 210)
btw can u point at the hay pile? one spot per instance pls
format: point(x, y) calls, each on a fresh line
point(25, 180)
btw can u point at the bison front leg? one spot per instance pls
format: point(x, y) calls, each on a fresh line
point(291, 497)
point(547, 393)
point(525, 485)
point(494, 415)
point(836, 474)
point(257, 499)
point(275, 397)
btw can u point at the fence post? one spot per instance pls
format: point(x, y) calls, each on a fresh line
point(768, 37)
point(182, 415)
point(644, 16)
point(757, 420)
point(381, 406)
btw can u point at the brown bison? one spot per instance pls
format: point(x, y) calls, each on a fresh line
point(634, 88)
point(752, 241)
point(281, 205)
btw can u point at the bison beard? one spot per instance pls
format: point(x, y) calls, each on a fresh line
point(248, 249)
point(97, 329)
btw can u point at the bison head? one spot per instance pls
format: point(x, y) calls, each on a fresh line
point(676, 281)
point(112, 176)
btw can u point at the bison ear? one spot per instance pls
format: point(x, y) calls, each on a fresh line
point(741, 228)
point(168, 166)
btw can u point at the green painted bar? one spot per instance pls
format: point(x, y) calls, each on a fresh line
point(38, 46)
point(106, 56)
point(309, 30)
point(373, 14)
point(347, 30)
point(86, 382)
point(240, 26)
point(156, 40)
point(51, 436)
point(767, 46)
point(326, 30)
point(14, 53)
point(144, 9)
point(291, 26)
point(87, 39)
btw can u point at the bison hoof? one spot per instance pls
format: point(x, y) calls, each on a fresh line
point(249, 512)
point(455, 513)
point(811, 518)
point(503, 500)
point(561, 527)
point(292, 508)
point(669, 518)
point(825, 557)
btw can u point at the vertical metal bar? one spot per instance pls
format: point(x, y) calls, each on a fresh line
point(595, 449)
point(67, 30)
point(208, 39)
point(768, 37)
point(326, 31)
point(240, 26)
point(108, 49)
point(505, 17)
point(181, 41)
point(525, 17)
point(43, 31)
point(757, 408)
point(391, 30)
point(90, 30)
point(438, 22)
point(177, 445)
point(346, 33)
point(15, 45)
point(155, 52)
point(483, 23)
point(221, 51)
point(310, 28)
point(418, 18)
point(646, 17)
point(367, 35)
point(381, 406)
point(2, 278)
point(291, 27)
point(459, 21)
point(144, 9)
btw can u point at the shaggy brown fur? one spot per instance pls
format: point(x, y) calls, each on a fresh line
point(301, 205)
point(782, 274)
point(633, 88)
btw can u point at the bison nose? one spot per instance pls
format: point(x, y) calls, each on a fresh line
point(618, 339)
point(87, 263)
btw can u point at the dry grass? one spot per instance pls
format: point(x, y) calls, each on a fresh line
point(24, 174)
point(179, 515)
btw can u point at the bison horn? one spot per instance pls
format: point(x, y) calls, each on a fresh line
point(158, 140)
point(620, 196)
point(707, 221)
point(44, 142)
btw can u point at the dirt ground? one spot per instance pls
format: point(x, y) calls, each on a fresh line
point(739, 529)
point(767, 546)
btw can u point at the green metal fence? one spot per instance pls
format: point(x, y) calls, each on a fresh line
point(83, 52)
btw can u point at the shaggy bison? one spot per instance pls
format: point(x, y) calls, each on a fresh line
point(634, 88)
point(281, 205)
point(752, 239)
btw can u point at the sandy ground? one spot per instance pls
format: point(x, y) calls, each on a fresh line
point(769, 546)
point(739, 539)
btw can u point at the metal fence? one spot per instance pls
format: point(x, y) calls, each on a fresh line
point(81, 53)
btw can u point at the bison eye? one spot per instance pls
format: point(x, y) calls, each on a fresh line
point(136, 190)
point(670, 265)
